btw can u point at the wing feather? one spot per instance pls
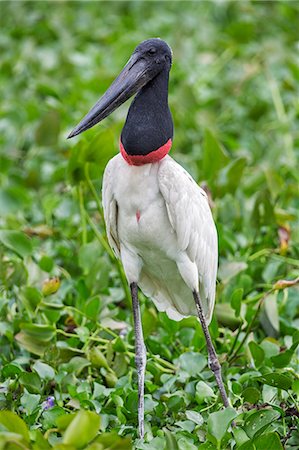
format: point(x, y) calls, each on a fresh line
point(110, 207)
point(191, 218)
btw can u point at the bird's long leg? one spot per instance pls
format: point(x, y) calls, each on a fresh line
point(213, 360)
point(140, 357)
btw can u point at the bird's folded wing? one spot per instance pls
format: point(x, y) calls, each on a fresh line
point(110, 209)
point(191, 218)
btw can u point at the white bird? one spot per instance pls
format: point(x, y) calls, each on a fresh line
point(158, 219)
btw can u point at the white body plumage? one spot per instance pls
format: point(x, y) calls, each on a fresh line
point(160, 225)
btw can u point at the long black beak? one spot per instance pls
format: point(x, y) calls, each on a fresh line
point(132, 78)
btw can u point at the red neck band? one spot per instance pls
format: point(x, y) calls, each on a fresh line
point(152, 157)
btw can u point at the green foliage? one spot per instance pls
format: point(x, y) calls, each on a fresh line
point(67, 370)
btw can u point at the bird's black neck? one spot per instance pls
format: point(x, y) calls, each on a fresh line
point(149, 123)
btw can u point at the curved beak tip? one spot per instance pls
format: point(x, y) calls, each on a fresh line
point(73, 133)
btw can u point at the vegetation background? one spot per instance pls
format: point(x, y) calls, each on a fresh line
point(67, 348)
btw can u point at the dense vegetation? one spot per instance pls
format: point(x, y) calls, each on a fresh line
point(67, 366)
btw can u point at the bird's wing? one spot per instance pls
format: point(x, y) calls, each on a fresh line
point(191, 218)
point(110, 208)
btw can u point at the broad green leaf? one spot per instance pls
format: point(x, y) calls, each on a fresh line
point(30, 401)
point(236, 300)
point(112, 441)
point(45, 371)
point(203, 392)
point(82, 429)
point(13, 423)
point(226, 316)
point(269, 441)
point(259, 421)
point(35, 338)
point(171, 442)
point(192, 363)
point(16, 241)
point(251, 395)
point(284, 358)
point(31, 381)
point(195, 417)
point(277, 380)
point(269, 316)
point(48, 129)
point(214, 156)
point(257, 353)
point(218, 422)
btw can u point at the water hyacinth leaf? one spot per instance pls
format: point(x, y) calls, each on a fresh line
point(269, 315)
point(11, 370)
point(214, 156)
point(30, 401)
point(35, 338)
point(269, 441)
point(193, 363)
point(195, 417)
point(203, 392)
point(226, 316)
point(295, 387)
point(231, 269)
point(45, 371)
point(236, 300)
point(14, 424)
point(259, 421)
point(82, 429)
point(277, 380)
point(31, 381)
point(17, 242)
point(284, 358)
point(257, 353)
point(230, 176)
point(171, 442)
point(218, 422)
point(251, 395)
point(112, 441)
point(51, 416)
point(48, 129)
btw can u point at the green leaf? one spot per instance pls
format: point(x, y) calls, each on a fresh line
point(277, 380)
point(45, 371)
point(284, 358)
point(195, 417)
point(13, 423)
point(82, 429)
point(214, 156)
point(259, 421)
point(35, 338)
point(257, 353)
point(251, 395)
point(192, 363)
point(16, 241)
point(171, 442)
point(203, 392)
point(48, 129)
point(270, 316)
point(218, 422)
point(112, 441)
point(236, 300)
point(31, 381)
point(30, 401)
point(268, 441)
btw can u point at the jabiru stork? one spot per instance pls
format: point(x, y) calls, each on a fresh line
point(158, 219)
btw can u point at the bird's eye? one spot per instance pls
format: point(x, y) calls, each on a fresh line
point(151, 51)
